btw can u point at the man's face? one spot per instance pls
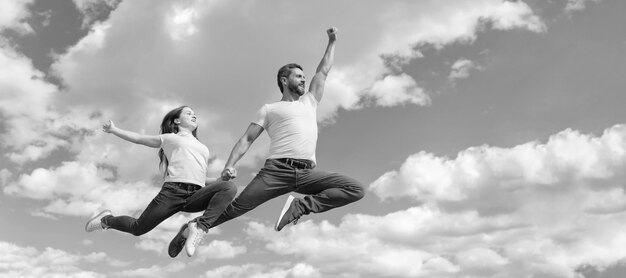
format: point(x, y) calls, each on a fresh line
point(296, 81)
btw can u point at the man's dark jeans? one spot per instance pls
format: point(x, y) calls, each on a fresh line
point(175, 197)
point(324, 190)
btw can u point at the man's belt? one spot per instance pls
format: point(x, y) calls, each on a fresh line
point(298, 163)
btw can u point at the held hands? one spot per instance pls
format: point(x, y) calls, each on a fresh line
point(229, 173)
point(332, 34)
point(108, 127)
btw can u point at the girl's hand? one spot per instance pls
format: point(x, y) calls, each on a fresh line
point(107, 127)
point(229, 173)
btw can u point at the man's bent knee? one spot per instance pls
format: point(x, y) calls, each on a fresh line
point(359, 192)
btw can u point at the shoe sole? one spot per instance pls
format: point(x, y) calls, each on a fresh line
point(282, 213)
point(188, 235)
point(180, 231)
point(99, 215)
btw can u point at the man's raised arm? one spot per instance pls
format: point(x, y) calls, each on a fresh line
point(319, 79)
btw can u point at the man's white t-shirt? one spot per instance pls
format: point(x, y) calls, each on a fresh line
point(292, 127)
point(187, 157)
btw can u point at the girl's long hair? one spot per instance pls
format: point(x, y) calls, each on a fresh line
point(168, 126)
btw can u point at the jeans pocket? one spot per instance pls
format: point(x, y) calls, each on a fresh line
point(277, 166)
point(172, 188)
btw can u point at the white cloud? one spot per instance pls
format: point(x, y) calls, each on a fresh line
point(157, 68)
point(95, 257)
point(398, 31)
point(5, 175)
point(432, 175)
point(103, 68)
point(338, 88)
point(540, 209)
point(536, 208)
point(93, 42)
point(393, 90)
point(154, 271)
point(305, 270)
point(181, 23)
point(299, 270)
point(81, 189)
point(43, 215)
point(349, 249)
point(100, 69)
point(13, 15)
point(578, 5)
point(215, 167)
point(18, 261)
point(182, 19)
point(142, 110)
point(512, 15)
point(219, 249)
point(444, 244)
point(23, 104)
point(92, 9)
point(569, 159)
point(461, 68)
point(480, 258)
point(247, 270)
point(35, 125)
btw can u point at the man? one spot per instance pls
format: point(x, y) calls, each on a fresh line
point(292, 127)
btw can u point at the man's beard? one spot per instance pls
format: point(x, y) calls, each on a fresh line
point(295, 88)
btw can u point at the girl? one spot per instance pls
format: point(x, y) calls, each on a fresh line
point(184, 161)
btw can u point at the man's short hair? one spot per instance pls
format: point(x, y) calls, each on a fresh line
point(284, 71)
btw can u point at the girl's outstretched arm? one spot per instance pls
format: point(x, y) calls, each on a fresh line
point(153, 141)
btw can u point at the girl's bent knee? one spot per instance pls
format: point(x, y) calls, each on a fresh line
point(231, 188)
point(225, 186)
point(138, 233)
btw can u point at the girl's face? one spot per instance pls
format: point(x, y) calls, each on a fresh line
point(188, 119)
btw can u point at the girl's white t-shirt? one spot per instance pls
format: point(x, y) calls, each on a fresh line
point(187, 157)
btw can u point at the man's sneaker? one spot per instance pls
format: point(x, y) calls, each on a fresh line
point(95, 223)
point(288, 215)
point(178, 242)
point(194, 238)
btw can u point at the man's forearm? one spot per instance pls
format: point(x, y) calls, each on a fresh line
point(328, 58)
point(235, 155)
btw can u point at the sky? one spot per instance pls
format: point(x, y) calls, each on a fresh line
point(489, 134)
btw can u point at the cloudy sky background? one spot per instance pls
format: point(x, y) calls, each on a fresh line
point(490, 134)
